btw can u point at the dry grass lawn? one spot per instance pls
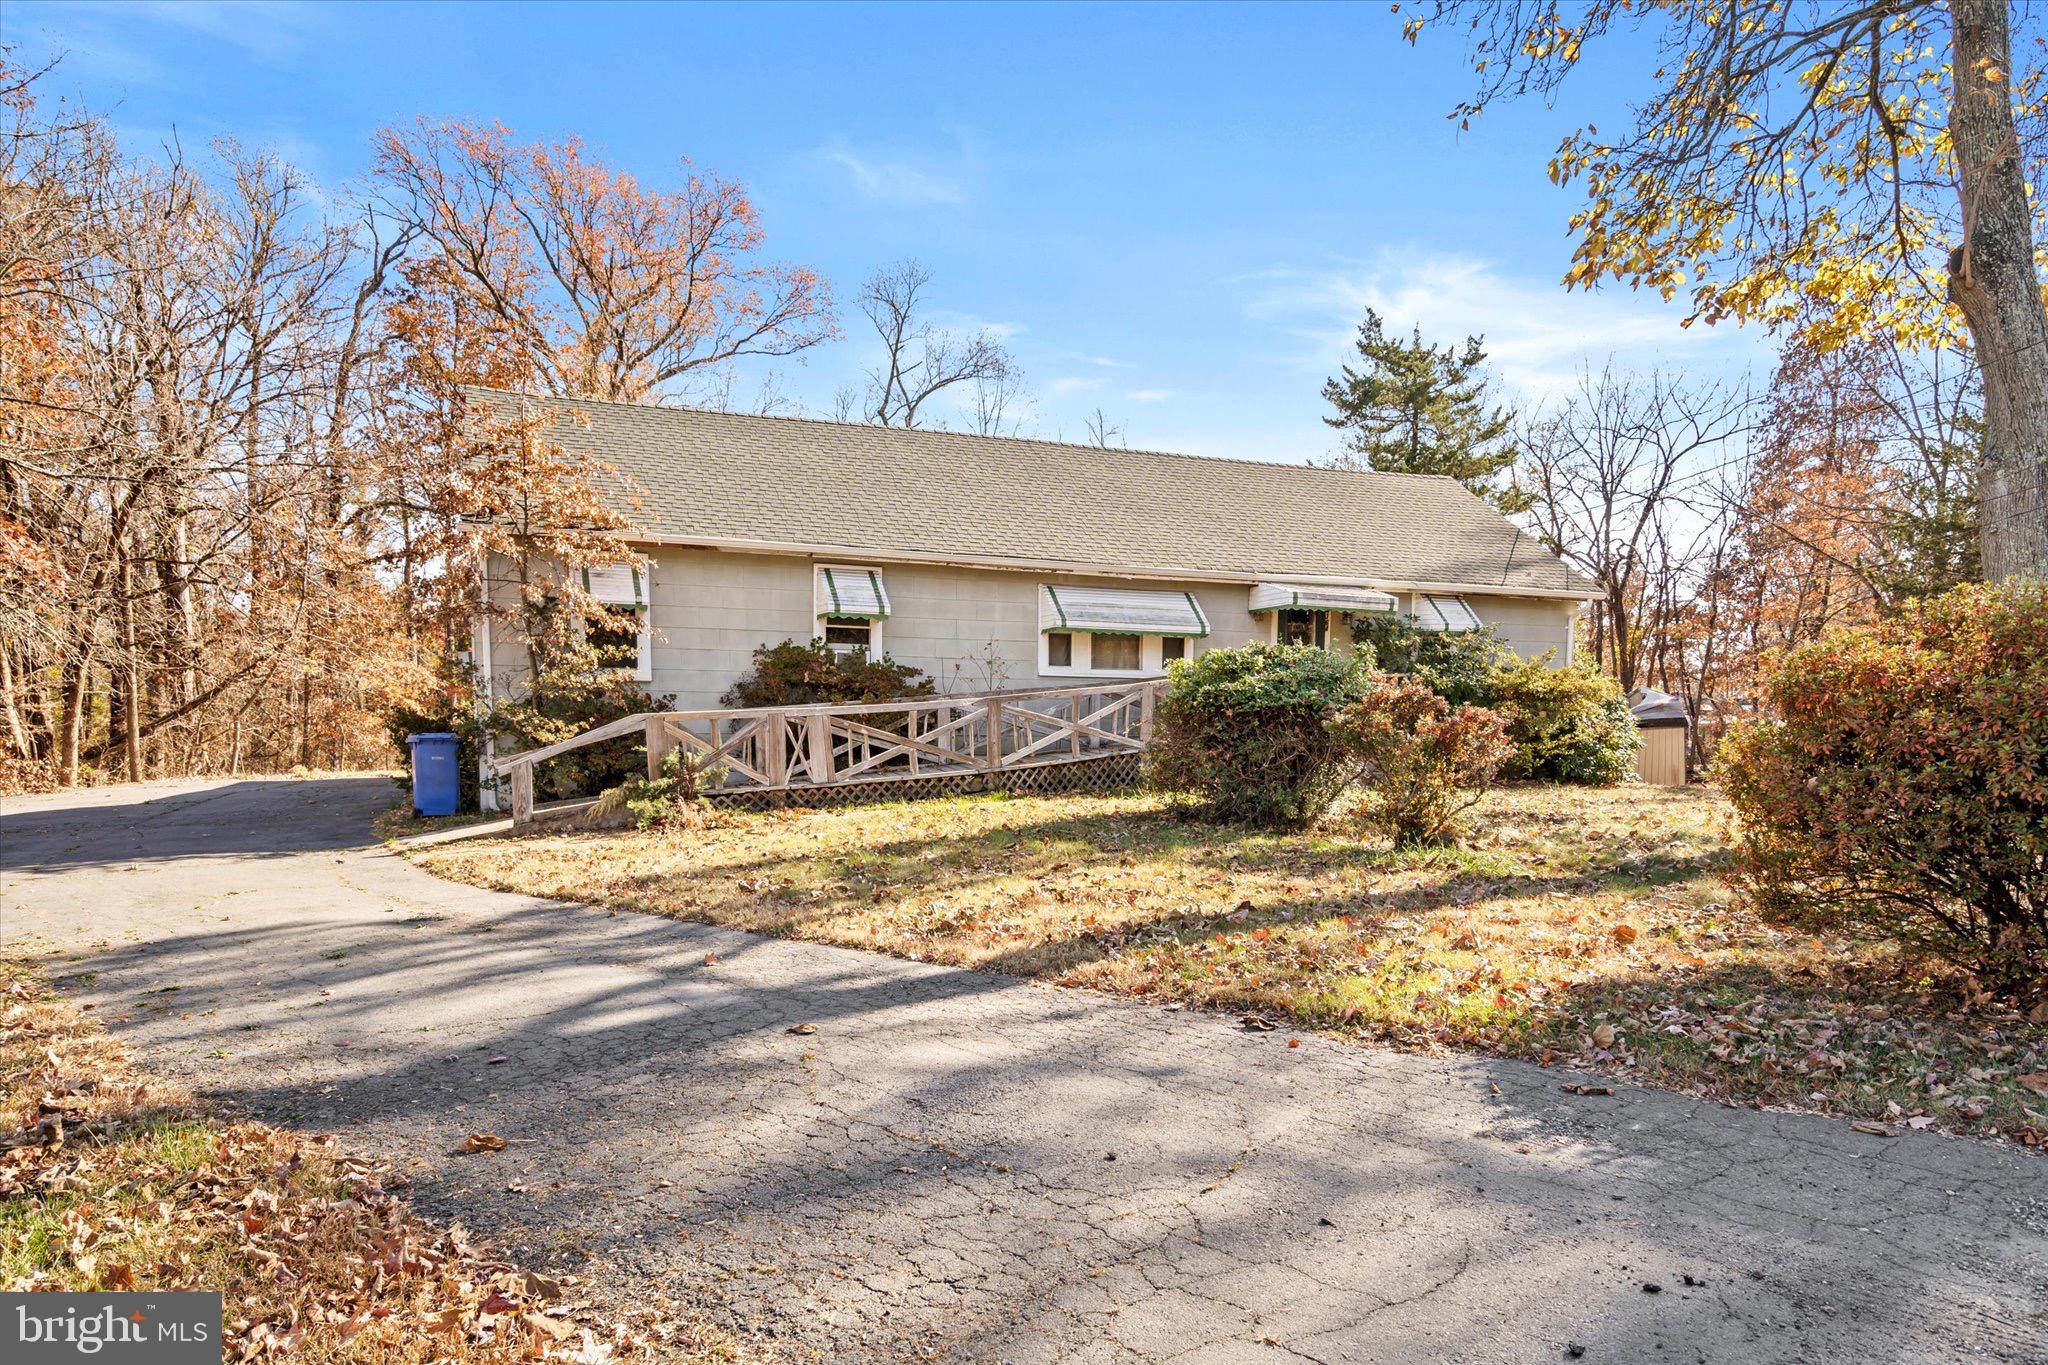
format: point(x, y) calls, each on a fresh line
point(1583, 926)
point(110, 1180)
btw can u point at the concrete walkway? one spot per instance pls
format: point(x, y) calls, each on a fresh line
point(964, 1166)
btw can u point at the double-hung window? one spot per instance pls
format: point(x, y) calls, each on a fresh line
point(851, 605)
point(1115, 632)
point(617, 627)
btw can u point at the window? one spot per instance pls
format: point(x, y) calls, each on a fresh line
point(851, 605)
point(1116, 653)
point(618, 627)
point(1083, 654)
point(1300, 627)
point(1095, 631)
point(850, 635)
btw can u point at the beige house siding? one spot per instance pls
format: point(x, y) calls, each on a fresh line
point(1532, 626)
point(710, 609)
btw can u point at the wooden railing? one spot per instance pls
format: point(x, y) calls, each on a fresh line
point(790, 748)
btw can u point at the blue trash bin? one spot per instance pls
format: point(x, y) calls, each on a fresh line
point(436, 785)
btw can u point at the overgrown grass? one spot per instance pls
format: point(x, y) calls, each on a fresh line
point(1588, 926)
point(111, 1180)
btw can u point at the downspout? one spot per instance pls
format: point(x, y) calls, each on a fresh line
point(486, 691)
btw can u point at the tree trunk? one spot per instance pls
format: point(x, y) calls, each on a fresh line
point(1992, 279)
point(127, 680)
point(17, 733)
point(71, 724)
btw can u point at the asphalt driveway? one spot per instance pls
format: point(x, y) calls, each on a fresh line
point(957, 1165)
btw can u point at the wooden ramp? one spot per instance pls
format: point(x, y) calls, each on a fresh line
point(802, 755)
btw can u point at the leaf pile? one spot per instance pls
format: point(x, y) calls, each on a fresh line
point(110, 1180)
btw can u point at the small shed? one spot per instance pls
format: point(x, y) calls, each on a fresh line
point(1665, 725)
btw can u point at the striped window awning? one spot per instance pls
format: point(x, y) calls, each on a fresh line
point(1120, 611)
point(852, 594)
point(1443, 613)
point(1319, 597)
point(616, 585)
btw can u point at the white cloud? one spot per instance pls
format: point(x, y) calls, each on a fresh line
point(898, 179)
point(1068, 384)
point(1537, 336)
point(1100, 361)
point(269, 29)
point(1149, 395)
point(967, 323)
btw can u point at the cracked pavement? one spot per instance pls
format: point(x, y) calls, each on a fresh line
point(964, 1166)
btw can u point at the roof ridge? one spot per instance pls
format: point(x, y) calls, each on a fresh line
point(971, 436)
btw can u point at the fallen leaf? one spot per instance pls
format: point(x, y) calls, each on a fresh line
point(1603, 1036)
point(1294, 1042)
point(482, 1142)
point(1872, 1127)
point(1624, 932)
point(803, 1030)
point(2036, 1081)
point(550, 1327)
point(1579, 1088)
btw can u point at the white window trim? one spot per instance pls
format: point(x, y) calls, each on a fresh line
point(1151, 664)
point(818, 605)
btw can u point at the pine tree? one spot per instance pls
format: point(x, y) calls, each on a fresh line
point(1415, 408)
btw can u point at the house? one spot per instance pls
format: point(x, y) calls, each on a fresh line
point(996, 563)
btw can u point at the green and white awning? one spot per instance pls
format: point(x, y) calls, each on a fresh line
point(852, 594)
point(1443, 613)
point(1319, 597)
point(616, 585)
point(1120, 611)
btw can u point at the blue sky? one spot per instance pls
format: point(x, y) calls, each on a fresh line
point(1176, 213)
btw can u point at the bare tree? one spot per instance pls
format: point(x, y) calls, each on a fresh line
point(1000, 403)
point(1604, 469)
point(1102, 433)
point(920, 360)
point(609, 289)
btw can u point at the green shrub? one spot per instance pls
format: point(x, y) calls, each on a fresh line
point(563, 702)
point(1425, 761)
point(672, 800)
point(1242, 732)
point(1902, 790)
point(1459, 666)
point(812, 674)
point(1568, 724)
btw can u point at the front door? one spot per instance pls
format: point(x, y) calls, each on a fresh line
point(1298, 627)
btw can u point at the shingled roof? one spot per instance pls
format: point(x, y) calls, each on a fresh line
point(687, 475)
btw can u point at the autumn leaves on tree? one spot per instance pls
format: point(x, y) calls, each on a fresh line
point(1841, 170)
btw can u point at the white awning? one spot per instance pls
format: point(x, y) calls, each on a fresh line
point(1319, 597)
point(1120, 611)
point(615, 585)
point(852, 594)
point(1444, 613)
